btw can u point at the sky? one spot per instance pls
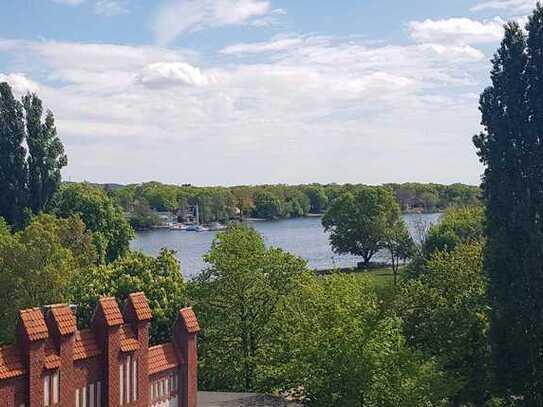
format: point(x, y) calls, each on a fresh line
point(229, 92)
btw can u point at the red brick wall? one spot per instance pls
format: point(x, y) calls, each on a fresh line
point(13, 391)
point(28, 388)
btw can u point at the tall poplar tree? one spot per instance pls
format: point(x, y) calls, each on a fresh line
point(511, 147)
point(45, 153)
point(13, 166)
point(28, 179)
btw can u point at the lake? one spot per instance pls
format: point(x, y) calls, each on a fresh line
point(304, 237)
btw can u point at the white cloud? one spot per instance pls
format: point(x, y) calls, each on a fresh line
point(514, 6)
point(19, 83)
point(69, 2)
point(457, 31)
point(178, 16)
point(162, 74)
point(277, 44)
point(311, 109)
point(110, 8)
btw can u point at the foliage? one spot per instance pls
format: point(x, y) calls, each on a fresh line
point(457, 226)
point(45, 153)
point(158, 277)
point(511, 148)
point(281, 201)
point(142, 217)
point(111, 231)
point(358, 221)
point(39, 263)
point(445, 312)
point(399, 244)
point(28, 179)
point(234, 299)
point(330, 340)
point(267, 205)
point(317, 198)
point(434, 197)
point(13, 166)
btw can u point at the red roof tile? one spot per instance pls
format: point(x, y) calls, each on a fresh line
point(34, 324)
point(189, 318)
point(52, 358)
point(11, 364)
point(85, 345)
point(64, 319)
point(129, 340)
point(141, 306)
point(111, 311)
point(162, 357)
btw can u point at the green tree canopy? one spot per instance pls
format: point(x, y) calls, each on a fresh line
point(267, 205)
point(446, 313)
point(13, 166)
point(28, 179)
point(358, 221)
point(39, 264)
point(158, 277)
point(457, 226)
point(511, 148)
point(45, 153)
point(111, 231)
point(235, 298)
point(330, 340)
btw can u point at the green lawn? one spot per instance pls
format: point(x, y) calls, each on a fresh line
point(382, 277)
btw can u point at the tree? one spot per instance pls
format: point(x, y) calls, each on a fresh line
point(358, 221)
point(142, 217)
point(27, 181)
point(446, 315)
point(111, 231)
point(317, 198)
point(267, 205)
point(13, 166)
point(399, 244)
point(160, 278)
point(457, 226)
point(511, 149)
point(45, 154)
point(234, 299)
point(39, 264)
point(330, 340)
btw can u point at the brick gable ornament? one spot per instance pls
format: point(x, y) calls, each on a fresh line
point(53, 364)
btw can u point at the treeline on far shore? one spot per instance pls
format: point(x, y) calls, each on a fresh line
point(221, 204)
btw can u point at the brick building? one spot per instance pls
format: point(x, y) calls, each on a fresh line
point(53, 364)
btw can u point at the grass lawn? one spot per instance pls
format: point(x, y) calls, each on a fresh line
point(382, 277)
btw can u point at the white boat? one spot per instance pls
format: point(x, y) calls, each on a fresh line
point(178, 226)
point(216, 226)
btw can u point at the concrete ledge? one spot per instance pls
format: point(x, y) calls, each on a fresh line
point(219, 399)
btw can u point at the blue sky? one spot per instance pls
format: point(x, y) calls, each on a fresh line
point(259, 91)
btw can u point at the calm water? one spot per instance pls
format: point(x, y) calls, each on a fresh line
point(302, 236)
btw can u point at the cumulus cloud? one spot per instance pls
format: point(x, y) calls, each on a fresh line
point(161, 74)
point(309, 108)
point(178, 16)
point(19, 83)
point(110, 8)
point(456, 30)
point(514, 6)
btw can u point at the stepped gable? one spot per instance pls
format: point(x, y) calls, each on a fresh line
point(189, 319)
point(64, 319)
point(140, 306)
point(111, 311)
point(33, 323)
